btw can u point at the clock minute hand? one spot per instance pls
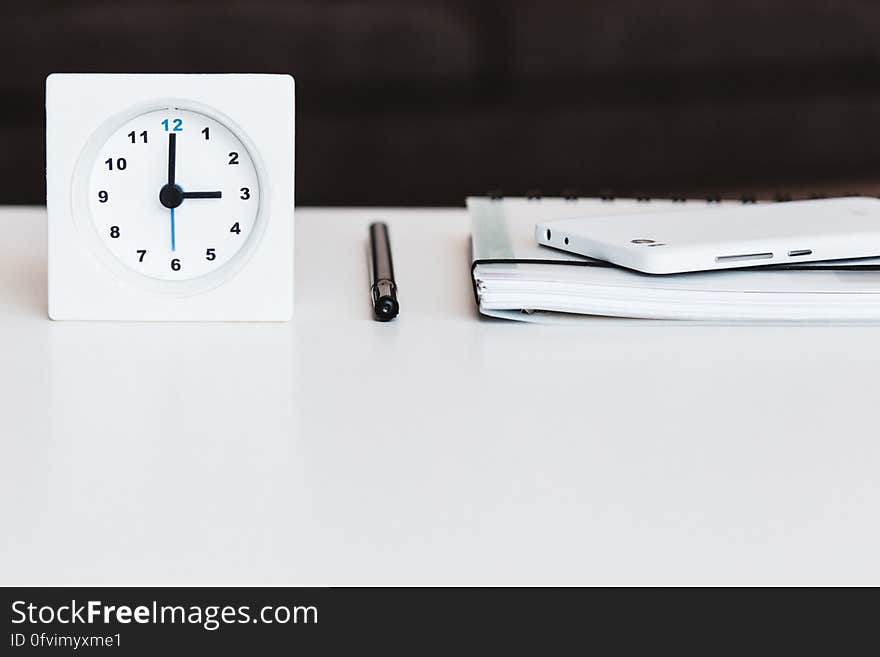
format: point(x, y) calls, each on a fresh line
point(172, 156)
point(203, 195)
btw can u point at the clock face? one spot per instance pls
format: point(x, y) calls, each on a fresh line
point(173, 194)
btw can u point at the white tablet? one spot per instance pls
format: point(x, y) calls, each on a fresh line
point(724, 237)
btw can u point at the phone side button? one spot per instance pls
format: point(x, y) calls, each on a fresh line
point(744, 256)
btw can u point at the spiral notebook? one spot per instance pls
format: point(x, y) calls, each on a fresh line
point(515, 278)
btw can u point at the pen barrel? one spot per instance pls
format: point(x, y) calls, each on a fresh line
point(380, 248)
point(382, 286)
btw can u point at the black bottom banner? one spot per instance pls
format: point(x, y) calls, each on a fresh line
point(228, 620)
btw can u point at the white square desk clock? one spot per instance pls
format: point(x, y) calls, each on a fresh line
point(170, 197)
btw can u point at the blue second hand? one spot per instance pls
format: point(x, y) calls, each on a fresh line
point(173, 244)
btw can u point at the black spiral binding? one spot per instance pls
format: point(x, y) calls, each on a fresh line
point(607, 194)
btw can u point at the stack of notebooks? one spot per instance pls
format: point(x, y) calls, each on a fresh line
point(515, 278)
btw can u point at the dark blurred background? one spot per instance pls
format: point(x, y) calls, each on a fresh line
point(421, 102)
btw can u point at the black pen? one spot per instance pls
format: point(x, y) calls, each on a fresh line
point(383, 289)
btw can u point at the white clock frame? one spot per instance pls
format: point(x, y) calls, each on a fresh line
point(86, 281)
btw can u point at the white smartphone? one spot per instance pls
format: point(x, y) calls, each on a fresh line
point(724, 237)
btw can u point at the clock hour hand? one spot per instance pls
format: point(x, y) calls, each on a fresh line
point(202, 195)
point(171, 196)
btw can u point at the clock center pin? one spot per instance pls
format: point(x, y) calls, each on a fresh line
point(171, 196)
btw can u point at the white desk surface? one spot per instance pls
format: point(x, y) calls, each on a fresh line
point(439, 449)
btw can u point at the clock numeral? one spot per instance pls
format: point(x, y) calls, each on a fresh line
point(114, 232)
point(207, 134)
point(120, 163)
point(245, 193)
point(210, 255)
point(233, 158)
point(175, 264)
point(235, 229)
point(173, 125)
point(133, 136)
point(141, 253)
point(103, 196)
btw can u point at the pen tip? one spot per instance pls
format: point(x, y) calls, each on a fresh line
point(386, 309)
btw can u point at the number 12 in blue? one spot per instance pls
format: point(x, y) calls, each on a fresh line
point(176, 125)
